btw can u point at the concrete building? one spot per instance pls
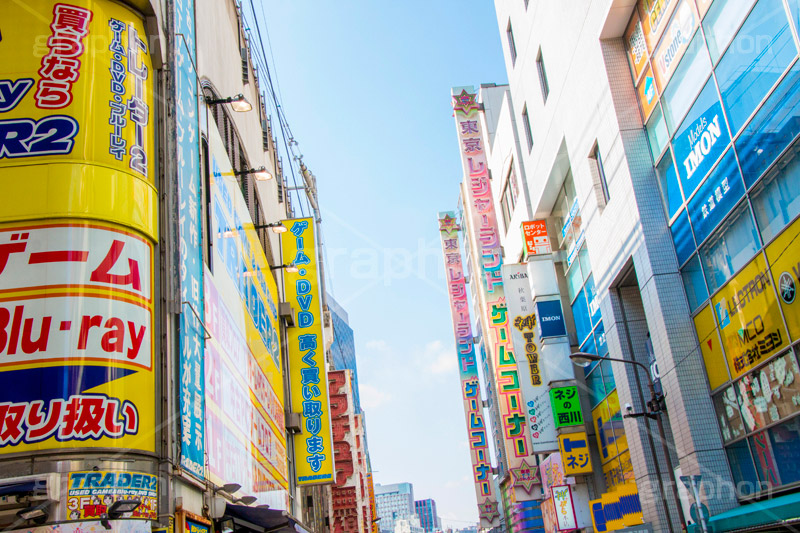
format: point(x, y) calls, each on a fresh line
point(656, 141)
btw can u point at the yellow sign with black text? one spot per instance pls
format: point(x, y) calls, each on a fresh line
point(749, 318)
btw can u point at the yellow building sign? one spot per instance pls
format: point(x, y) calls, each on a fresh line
point(575, 456)
point(307, 372)
point(784, 258)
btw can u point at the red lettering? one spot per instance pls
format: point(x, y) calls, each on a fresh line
point(87, 323)
point(114, 339)
point(40, 344)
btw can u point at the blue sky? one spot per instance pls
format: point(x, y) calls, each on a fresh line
point(365, 86)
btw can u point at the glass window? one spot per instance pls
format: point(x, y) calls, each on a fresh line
point(735, 243)
point(776, 201)
point(682, 238)
point(689, 77)
point(657, 132)
point(694, 283)
point(757, 57)
point(668, 185)
point(588, 346)
point(721, 22)
point(726, 407)
point(542, 76)
point(742, 468)
point(580, 313)
point(716, 197)
point(784, 445)
point(597, 389)
point(593, 301)
point(702, 139)
point(771, 393)
point(600, 339)
point(772, 129)
point(574, 280)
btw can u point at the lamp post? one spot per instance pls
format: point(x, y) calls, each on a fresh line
point(653, 411)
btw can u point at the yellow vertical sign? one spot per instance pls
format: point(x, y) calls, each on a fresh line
point(308, 376)
point(575, 456)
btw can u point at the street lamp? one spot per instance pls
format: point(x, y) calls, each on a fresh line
point(654, 410)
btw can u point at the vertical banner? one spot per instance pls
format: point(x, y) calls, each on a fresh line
point(78, 227)
point(532, 373)
point(565, 510)
point(346, 492)
point(308, 375)
point(480, 208)
point(191, 334)
point(468, 371)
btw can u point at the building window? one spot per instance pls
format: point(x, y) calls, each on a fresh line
point(599, 176)
point(526, 123)
point(509, 199)
point(542, 75)
point(511, 48)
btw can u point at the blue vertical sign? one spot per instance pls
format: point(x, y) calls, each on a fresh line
point(191, 336)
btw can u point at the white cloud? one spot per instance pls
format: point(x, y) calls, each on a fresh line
point(372, 397)
point(438, 359)
point(377, 345)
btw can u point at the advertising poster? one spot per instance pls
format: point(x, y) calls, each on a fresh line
point(307, 370)
point(678, 34)
point(537, 241)
point(192, 335)
point(784, 258)
point(90, 494)
point(749, 319)
point(468, 371)
point(654, 16)
point(636, 46)
point(76, 338)
point(531, 370)
point(245, 424)
point(565, 511)
point(479, 207)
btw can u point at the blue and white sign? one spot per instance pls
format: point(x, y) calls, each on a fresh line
point(699, 145)
point(716, 197)
point(550, 319)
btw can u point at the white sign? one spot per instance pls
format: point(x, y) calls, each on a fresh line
point(565, 510)
point(533, 378)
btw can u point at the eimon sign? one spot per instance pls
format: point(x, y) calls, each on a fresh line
point(77, 228)
point(308, 375)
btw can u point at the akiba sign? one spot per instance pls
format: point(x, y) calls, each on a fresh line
point(699, 145)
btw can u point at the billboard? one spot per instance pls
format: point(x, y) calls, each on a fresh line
point(468, 372)
point(76, 337)
point(480, 208)
point(90, 494)
point(537, 241)
point(308, 374)
point(532, 372)
point(243, 379)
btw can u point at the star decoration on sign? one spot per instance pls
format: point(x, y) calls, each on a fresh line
point(525, 476)
point(447, 224)
point(488, 510)
point(465, 102)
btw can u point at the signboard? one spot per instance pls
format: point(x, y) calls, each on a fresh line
point(699, 146)
point(468, 372)
point(191, 336)
point(551, 471)
point(655, 14)
point(76, 310)
point(196, 527)
point(550, 321)
point(566, 406)
point(784, 257)
point(90, 494)
point(565, 511)
point(533, 378)
point(617, 509)
point(607, 419)
point(636, 46)
point(307, 370)
point(536, 240)
point(677, 35)
point(575, 456)
point(480, 209)
point(749, 319)
point(648, 93)
point(346, 489)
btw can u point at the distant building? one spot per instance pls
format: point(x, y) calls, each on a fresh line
point(428, 519)
point(394, 502)
point(343, 349)
point(408, 525)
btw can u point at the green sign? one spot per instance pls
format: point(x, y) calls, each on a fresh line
point(566, 406)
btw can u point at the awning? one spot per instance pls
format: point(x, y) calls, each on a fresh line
point(754, 516)
point(261, 520)
point(20, 487)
